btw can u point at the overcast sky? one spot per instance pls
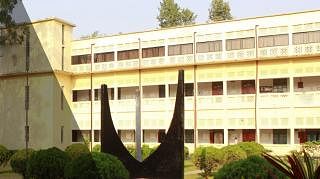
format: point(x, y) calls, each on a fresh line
point(114, 16)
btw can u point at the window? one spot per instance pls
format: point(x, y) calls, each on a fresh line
point(248, 87)
point(189, 136)
point(188, 89)
point(181, 49)
point(62, 58)
point(217, 88)
point(81, 95)
point(273, 40)
point(210, 46)
point(279, 136)
point(313, 135)
point(62, 34)
point(154, 91)
point(96, 135)
point(81, 59)
point(306, 37)
point(61, 134)
point(104, 57)
point(280, 85)
point(216, 136)
point(153, 52)
point(150, 136)
point(97, 94)
point(127, 92)
point(81, 135)
point(61, 98)
point(237, 44)
point(128, 54)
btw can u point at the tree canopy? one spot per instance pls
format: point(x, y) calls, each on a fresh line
point(11, 33)
point(219, 11)
point(170, 15)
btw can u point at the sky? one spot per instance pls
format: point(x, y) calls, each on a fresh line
point(115, 16)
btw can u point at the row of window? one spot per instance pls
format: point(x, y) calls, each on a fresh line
point(204, 89)
point(203, 47)
point(216, 136)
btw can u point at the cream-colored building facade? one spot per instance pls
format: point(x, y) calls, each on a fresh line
point(253, 79)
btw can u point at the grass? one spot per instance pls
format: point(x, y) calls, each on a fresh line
point(7, 173)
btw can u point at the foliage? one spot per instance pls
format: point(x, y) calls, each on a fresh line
point(219, 11)
point(82, 167)
point(207, 159)
point(186, 153)
point(312, 148)
point(145, 150)
point(251, 148)
point(13, 33)
point(233, 153)
point(109, 167)
point(170, 15)
point(18, 161)
point(96, 148)
point(47, 163)
point(252, 167)
point(296, 166)
point(75, 150)
point(5, 155)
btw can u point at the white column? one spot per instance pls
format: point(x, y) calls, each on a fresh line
point(291, 136)
point(225, 137)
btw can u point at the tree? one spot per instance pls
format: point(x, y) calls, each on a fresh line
point(170, 15)
point(219, 11)
point(13, 33)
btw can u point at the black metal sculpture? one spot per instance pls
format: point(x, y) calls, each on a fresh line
point(167, 161)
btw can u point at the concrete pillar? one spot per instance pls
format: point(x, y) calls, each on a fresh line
point(225, 137)
point(291, 136)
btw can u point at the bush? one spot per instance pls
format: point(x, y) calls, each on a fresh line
point(233, 153)
point(75, 150)
point(186, 153)
point(145, 150)
point(207, 159)
point(96, 148)
point(5, 155)
point(252, 167)
point(18, 161)
point(47, 163)
point(109, 167)
point(82, 167)
point(251, 148)
point(132, 150)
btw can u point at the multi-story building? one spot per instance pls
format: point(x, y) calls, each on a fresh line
point(253, 79)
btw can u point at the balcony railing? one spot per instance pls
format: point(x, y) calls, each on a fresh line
point(180, 60)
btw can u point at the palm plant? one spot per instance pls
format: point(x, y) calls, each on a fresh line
point(296, 165)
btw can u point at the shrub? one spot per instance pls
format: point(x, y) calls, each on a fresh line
point(109, 167)
point(251, 148)
point(5, 155)
point(132, 150)
point(75, 150)
point(207, 159)
point(82, 167)
point(47, 163)
point(18, 161)
point(252, 167)
point(96, 148)
point(186, 153)
point(233, 153)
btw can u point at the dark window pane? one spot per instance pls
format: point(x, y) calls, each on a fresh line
point(81, 59)
point(104, 57)
point(128, 54)
point(189, 136)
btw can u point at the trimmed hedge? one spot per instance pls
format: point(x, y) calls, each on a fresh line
point(18, 161)
point(82, 167)
point(252, 148)
point(252, 167)
point(109, 166)
point(233, 153)
point(5, 155)
point(47, 163)
point(76, 150)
